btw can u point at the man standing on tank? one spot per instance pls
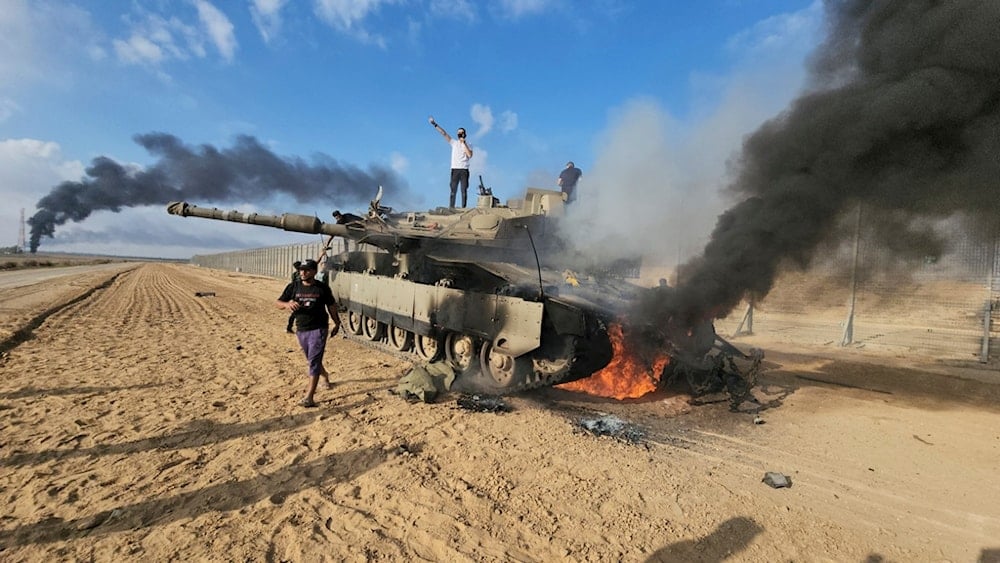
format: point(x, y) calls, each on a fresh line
point(461, 152)
point(568, 179)
point(313, 305)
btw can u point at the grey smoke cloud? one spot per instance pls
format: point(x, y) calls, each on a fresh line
point(245, 171)
point(903, 117)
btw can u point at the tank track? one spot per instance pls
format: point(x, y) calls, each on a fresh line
point(473, 380)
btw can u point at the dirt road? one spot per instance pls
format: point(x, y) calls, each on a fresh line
point(140, 421)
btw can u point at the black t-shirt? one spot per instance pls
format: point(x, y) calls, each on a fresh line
point(313, 300)
point(569, 177)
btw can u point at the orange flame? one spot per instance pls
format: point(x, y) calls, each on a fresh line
point(626, 376)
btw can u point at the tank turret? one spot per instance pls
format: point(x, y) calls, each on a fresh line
point(488, 230)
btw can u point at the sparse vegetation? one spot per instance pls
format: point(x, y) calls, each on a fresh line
point(27, 261)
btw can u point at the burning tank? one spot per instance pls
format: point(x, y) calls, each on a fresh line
point(490, 289)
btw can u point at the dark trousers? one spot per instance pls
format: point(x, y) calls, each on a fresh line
point(570, 192)
point(459, 176)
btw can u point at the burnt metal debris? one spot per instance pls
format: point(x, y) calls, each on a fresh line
point(483, 403)
point(777, 480)
point(610, 425)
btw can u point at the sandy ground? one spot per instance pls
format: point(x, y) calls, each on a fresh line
point(141, 422)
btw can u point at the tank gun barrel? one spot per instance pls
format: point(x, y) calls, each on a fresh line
point(286, 221)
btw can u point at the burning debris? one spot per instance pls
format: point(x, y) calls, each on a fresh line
point(649, 358)
point(628, 376)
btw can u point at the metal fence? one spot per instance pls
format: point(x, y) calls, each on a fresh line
point(274, 261)
point(945, 307)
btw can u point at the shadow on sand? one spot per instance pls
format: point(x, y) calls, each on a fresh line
point(198, 433)
point(277, 486)
point(728, 539)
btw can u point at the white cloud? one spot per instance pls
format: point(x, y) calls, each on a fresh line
point(29, 169)
point(778, 34)
point(483, 117)
point(348, 16)
point(154, 39)
point(453, 9)
point(266, 16)
point(23, 160)
point(518, 8)
point(8, 108)
point(218, 27)
point(18, 45)
point(138, 50)
point(398, 162)
point(508, 121)
point(45, 42)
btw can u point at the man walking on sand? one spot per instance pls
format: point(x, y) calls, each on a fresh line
point(311, 303)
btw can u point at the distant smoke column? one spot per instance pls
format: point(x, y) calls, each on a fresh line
point(247, 171)
point(903, 117)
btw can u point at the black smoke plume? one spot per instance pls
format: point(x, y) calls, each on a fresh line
point(902, 118)
point(246, 171)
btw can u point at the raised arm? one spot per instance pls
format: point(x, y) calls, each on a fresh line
point(439, 129)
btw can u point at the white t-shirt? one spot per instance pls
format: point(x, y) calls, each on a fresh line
point(459, 159)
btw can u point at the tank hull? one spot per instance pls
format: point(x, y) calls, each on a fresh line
point(500, 343)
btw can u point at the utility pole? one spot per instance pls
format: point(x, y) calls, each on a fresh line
point(20, 235)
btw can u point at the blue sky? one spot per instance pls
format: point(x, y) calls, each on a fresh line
point(650, 99)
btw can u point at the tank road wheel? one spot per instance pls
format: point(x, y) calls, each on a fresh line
point(502, 370)
point(427, 347)
point(372, 329)
point(460, 349)
point(354, 322)
point(400, 338)
point(553, 361)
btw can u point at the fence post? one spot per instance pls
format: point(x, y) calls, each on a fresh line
point(984, 354)
point(848, 336)
point(747, 320)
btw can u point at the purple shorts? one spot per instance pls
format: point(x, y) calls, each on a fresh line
point(313, 343)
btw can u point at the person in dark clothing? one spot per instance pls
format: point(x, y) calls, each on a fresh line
point(568, 179)
point(296, 277)
point(345, 218)
point(313, 305)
